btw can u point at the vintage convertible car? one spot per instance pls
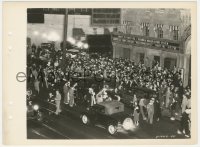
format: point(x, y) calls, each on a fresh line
point(110, 115)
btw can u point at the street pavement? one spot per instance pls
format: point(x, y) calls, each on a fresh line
point(68, 126)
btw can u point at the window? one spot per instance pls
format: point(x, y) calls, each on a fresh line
point(145, 29)
point(169, 63)
point(114, 29)
point(156, 60)
point(160, 33)
point(174, 31)
point(159, 30)
point(126, 53)
point(141, 56)
point(175, 34)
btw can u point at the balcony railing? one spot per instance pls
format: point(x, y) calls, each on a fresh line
point(150, 42)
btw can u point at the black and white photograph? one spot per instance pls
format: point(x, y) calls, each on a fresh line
point(108, 73)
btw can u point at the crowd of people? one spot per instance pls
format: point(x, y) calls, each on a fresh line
point(53, 75)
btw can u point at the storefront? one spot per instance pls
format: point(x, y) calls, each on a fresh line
point(150, 51)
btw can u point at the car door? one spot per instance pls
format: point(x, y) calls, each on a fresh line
point(95, 114)
point(101, 117)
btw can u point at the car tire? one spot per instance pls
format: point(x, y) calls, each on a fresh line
point(85, 120)
point(111, 129)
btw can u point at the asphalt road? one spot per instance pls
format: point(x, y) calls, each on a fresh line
point(68, 126)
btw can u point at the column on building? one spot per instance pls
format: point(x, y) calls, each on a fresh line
point(162, 58)
point(147, 58)
point(186, 68)
point(187, 61)
point(114, 50)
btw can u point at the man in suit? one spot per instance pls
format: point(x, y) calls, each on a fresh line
point(72, 95)
point(185, 123)
point(66, 88)
point(92, 97)
point(150, 111)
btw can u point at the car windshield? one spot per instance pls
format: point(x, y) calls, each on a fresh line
point(99, 109)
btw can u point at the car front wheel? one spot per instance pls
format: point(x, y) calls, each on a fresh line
point(112, 129)
point(85, 119)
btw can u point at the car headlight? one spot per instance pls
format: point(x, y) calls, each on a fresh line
point(35, 107)
point(128, 124)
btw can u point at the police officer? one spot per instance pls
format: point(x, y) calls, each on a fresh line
point(57, 101)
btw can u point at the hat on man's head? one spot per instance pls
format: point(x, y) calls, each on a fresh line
point(188, 111)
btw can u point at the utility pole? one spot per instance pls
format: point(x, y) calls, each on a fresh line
point(65, 36)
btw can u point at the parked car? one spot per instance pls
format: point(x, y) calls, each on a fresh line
point(33, 109)
point(110, 115)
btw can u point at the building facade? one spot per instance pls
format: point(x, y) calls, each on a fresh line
point(81, 22)
point(142, 35)
point(155, 35)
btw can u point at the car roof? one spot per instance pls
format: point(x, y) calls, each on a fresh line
point(110, 103)
point(112, 107)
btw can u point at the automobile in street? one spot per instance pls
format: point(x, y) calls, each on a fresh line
point(110, 115)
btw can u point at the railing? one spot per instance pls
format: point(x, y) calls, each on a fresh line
point(144, 41)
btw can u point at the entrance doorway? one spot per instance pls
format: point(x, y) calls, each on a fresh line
point(141, 55)
point(156, 60)
point(169, 63)
point(127, 53)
